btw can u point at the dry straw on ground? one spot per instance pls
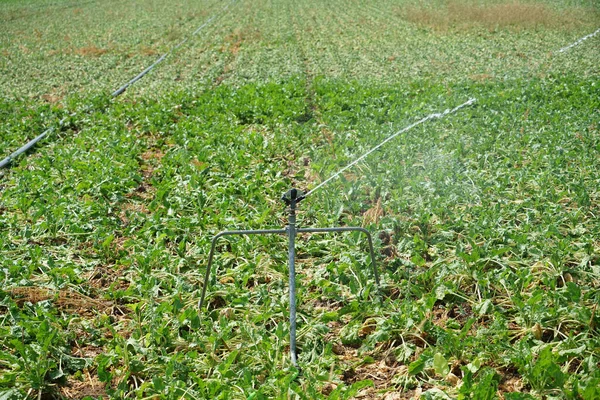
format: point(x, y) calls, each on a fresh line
point(66, 299)
point(461, 14)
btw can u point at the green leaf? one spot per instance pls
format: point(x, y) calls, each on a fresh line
point(573, 291)
point(104, 363)
point(416, 367)
point(578, 351)
point(107, 242)
point(435, 394)
point(518, 396)
point(356, 387)
point(484, 307)
point(418, 260)
point(474, 365)
point(11, 394)
point(158, 383)
point(440, 364)
point(56, 374)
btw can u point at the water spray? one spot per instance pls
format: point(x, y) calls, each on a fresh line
point(291, 198)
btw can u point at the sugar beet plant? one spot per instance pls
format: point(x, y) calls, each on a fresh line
point(487, 231)
point(486, 221)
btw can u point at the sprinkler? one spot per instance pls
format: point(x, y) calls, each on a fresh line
point(291, 198)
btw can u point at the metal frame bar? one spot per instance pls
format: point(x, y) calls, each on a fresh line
point(293, 197)
point(349, 229)
point(212, 252)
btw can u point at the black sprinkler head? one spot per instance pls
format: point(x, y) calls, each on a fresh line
point(293, 196)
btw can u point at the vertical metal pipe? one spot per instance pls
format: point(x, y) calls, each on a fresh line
point(291, 230)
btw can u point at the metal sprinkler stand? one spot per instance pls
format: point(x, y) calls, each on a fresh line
point(291, 198)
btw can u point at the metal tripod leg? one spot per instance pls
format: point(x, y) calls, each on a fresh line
point(349, 229)
point(212, 252)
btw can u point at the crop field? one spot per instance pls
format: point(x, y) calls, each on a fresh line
point(486, 220)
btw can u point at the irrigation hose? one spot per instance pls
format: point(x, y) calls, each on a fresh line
point(123, 88)
point(26, 147)
point(5, 162)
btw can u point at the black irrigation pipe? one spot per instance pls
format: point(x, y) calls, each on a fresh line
point(168, 53)
point(4, 163)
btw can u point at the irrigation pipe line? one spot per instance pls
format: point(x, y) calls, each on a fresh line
point(173, 49)
point(123, 88)
point(401, 131)
point(26, 147)
point(578, 42)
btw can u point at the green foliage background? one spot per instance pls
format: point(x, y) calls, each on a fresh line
point(487, 220)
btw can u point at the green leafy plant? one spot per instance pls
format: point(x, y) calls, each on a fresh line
point(485, 220)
